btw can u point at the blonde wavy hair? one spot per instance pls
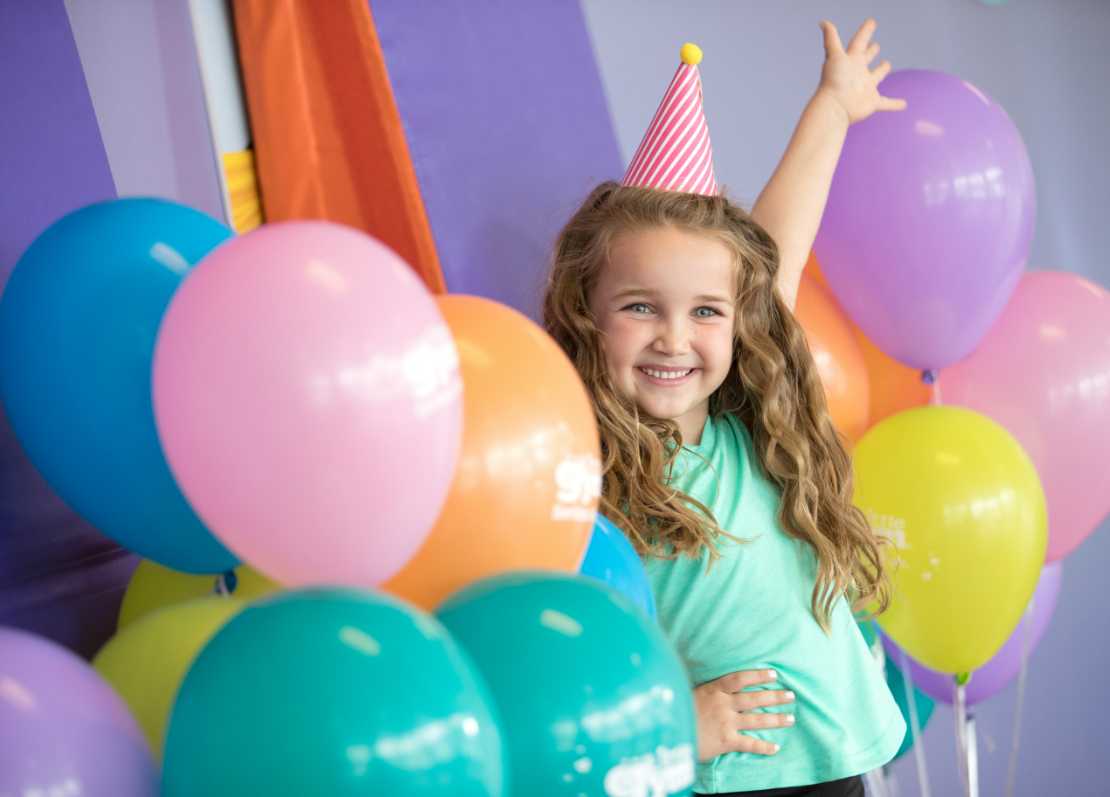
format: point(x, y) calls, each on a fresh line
point(772, 386)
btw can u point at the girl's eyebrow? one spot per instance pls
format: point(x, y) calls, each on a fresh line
point(634, 292)
point(703, 297)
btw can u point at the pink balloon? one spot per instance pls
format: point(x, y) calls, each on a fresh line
point(1043, 372)
point(307, 396)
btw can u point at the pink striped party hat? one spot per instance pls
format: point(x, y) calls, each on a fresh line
point(675, 154)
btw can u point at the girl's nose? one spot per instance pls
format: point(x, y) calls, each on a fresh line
point(672, 338)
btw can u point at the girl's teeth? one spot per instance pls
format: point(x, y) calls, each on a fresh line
point(665, 374)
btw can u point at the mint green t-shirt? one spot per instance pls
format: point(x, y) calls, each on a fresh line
point(751, 610)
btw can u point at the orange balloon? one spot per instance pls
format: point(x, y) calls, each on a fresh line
point(526, 490)
point(813, 269)
point(839, 361)
point(894, 387)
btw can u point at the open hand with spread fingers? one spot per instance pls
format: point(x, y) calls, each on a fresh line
point(725, 711)
point(847, 75)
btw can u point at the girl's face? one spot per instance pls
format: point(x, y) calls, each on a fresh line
point(664, 306)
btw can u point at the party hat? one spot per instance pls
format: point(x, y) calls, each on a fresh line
point(675, 154)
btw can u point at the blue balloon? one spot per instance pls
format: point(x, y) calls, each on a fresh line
point(78, 321)
point(611, 558)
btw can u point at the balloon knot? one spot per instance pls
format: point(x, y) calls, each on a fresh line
point(929, 376)
point(226, 583)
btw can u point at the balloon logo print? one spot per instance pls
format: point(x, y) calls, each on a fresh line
point(431, 370)
point(578, 485)
point(666, 771)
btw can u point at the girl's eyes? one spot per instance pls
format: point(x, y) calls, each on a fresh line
point(640, 308)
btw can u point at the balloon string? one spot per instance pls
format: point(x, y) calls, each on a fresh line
point(1019, 705)
point(972, 757)
point(961, 736)
point(915, 726)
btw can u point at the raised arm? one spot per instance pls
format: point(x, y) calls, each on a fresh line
point(791, 204)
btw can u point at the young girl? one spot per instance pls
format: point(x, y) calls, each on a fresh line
point(720, 461)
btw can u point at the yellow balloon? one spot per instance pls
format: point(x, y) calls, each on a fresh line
point(153, 586)
point(963, 506)
point(147, 661)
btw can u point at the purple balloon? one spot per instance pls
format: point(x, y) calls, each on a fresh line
point(929, 220)
point(63, 730)
point(992, 677)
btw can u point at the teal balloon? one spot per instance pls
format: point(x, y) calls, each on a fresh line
point(924, 705)
point(592, 697)
point(336, 692)
point(78, 321)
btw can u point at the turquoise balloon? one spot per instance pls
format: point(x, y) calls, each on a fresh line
point(923, 703)
point(592, 697)
point(78, 320)
point(897, 685)
point(336, 692)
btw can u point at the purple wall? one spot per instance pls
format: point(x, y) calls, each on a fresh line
point(508, 130)
point(58, 576)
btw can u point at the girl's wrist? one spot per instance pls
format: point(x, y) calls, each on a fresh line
point(825, 102)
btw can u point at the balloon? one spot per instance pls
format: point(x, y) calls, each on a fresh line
point(839, 361)
point(896, 683)
point(964, 509)
point(923, 705)
point(1004, 666)
point(893, 387)
point(528, 480)
point(1043, 372)
point(306, 391)
point(154, 587)
point(147, 661)
point(929, 219)
point(62, 728)
point(78, 321)
point(813, 269)
point(336, 692)
point(611, 559)
point(592, 696)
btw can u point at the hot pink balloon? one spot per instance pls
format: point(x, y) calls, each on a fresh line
point(307, 396)
point(1043, 372)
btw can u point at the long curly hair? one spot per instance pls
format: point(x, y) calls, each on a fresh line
point(772, 386)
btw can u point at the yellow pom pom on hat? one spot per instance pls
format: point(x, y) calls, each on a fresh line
point(675, 153)
point(690, 54)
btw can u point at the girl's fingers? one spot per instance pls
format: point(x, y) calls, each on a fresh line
point(832, 39)
point(746, 701)
point(881, 71)
point(749, 744)
point(742, 679)
point(891, 104)
point(862, 38)
point(753, 721)
point(872, 52)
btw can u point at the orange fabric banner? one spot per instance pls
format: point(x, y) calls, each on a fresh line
point(327, 135)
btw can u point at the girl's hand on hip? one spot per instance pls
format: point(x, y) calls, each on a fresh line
point(725, 711)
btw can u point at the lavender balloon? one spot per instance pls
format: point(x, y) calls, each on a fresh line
point(1003, 667)
point(63, 730)
point(929, 219)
